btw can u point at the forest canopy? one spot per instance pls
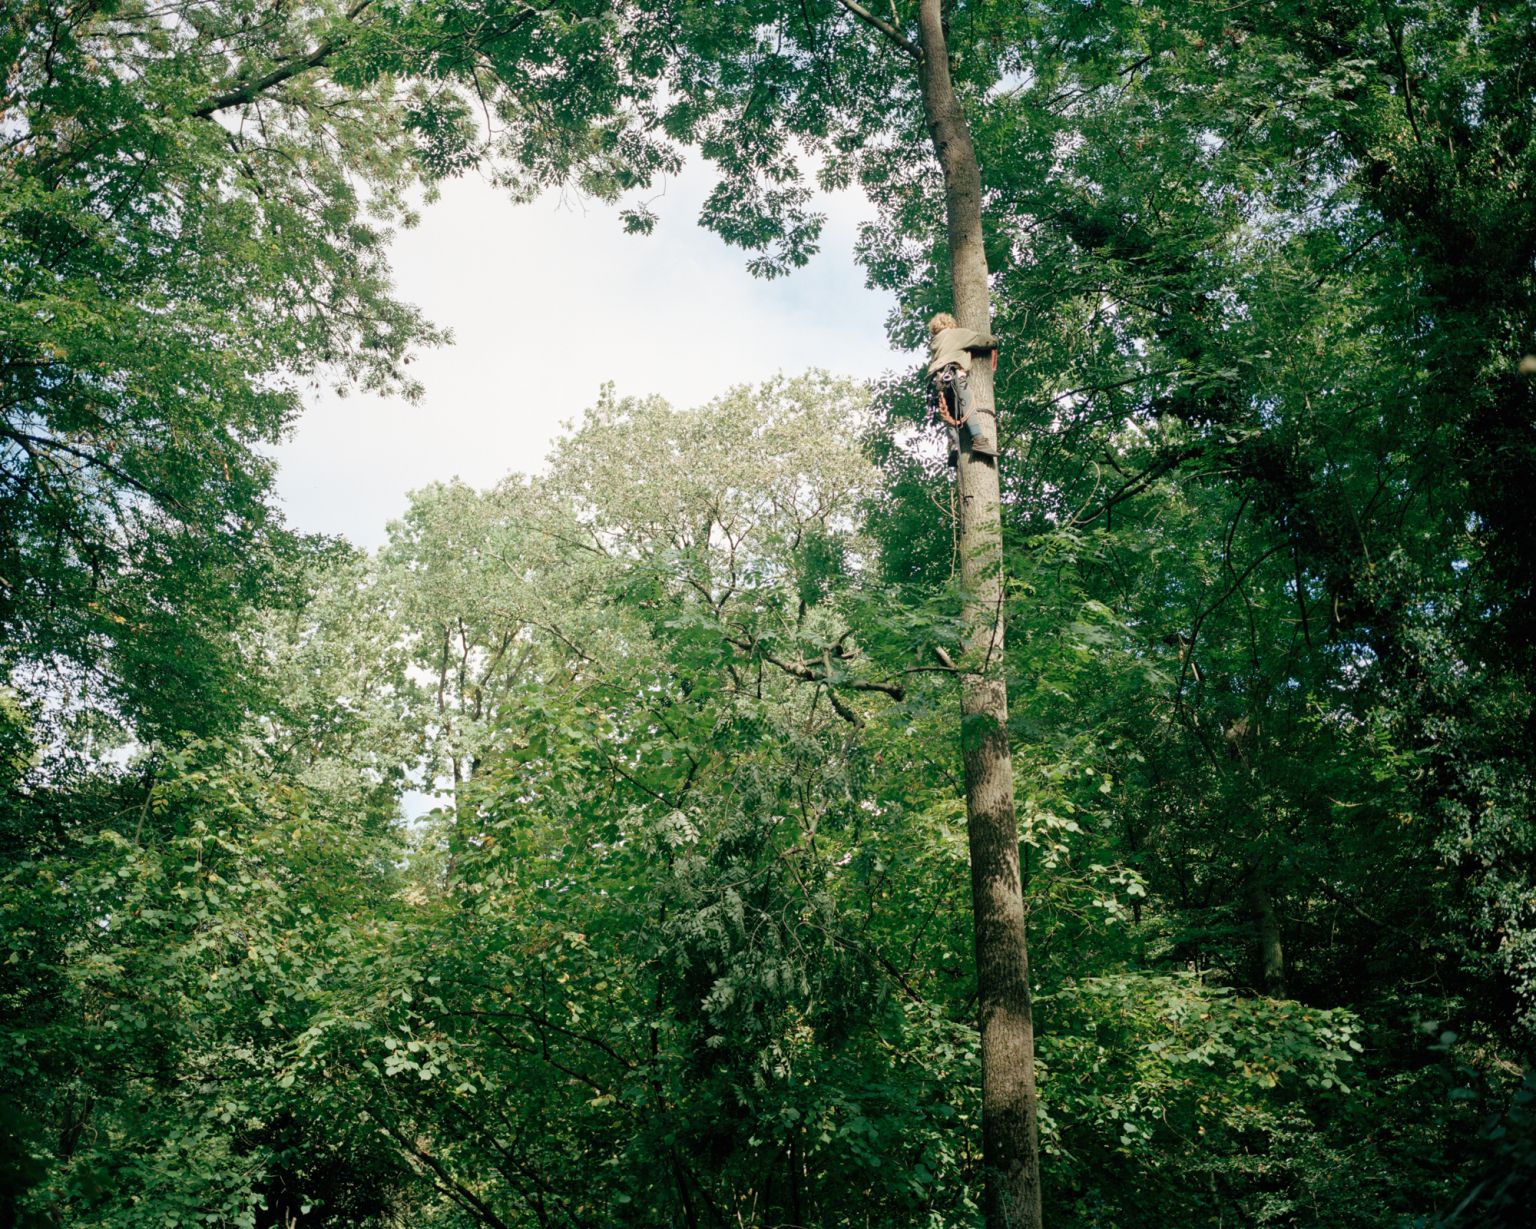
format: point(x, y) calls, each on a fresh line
point(687, 939)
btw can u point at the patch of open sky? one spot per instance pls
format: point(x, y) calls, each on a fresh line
point(546, 303)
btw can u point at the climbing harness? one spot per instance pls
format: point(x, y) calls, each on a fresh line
point(950, 398)
point(950, 384)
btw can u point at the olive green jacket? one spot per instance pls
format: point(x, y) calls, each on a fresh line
point(956, 346)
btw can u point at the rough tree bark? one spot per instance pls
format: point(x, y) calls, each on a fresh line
point(1010, 1137)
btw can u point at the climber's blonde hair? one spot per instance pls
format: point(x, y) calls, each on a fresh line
point(941, 322)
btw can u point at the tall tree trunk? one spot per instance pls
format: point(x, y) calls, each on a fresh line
point(1010, 1137)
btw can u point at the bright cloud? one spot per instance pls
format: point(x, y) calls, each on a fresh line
point(549, 301)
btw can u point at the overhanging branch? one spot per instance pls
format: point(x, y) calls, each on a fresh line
point(808, 673)
point(885, 28)
point(239, 95)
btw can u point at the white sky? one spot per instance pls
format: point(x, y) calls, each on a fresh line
point(546, 303)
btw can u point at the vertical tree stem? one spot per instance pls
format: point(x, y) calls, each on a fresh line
point(1010, 1137)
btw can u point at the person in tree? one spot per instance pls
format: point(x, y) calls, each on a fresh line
point(951, 348)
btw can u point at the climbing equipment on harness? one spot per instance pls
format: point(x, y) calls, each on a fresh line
point(950, 400)
point(951, 385)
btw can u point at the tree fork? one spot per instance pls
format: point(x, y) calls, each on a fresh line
point(1010, 1135)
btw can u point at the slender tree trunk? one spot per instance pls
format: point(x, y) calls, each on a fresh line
point(1010, 1139)
point(1261, 904)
